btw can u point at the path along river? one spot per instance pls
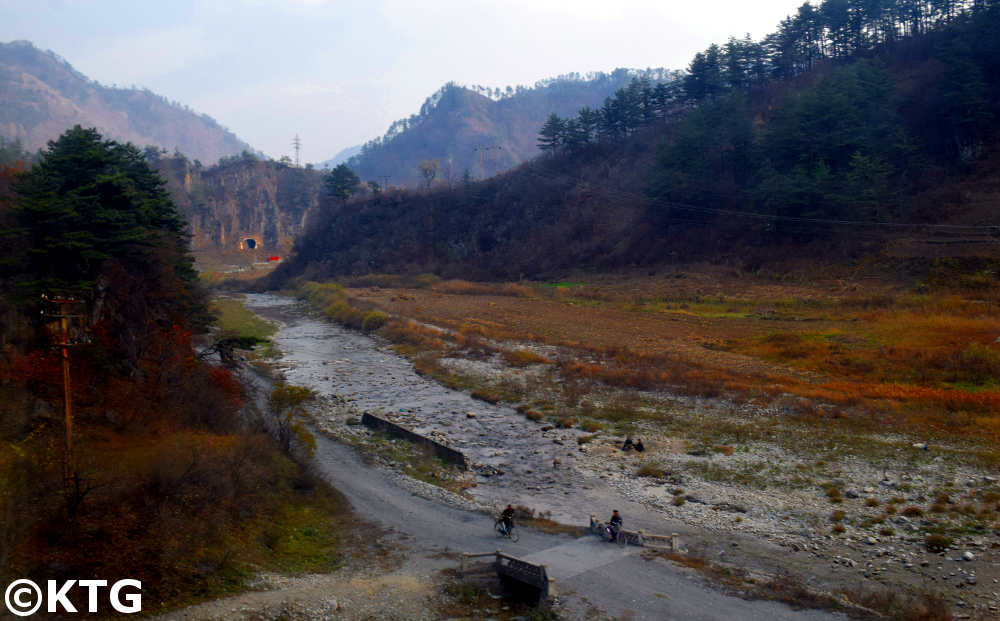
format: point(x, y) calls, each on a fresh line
point(338, 362)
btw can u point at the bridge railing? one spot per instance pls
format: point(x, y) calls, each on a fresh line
point(643, 539)
point(532, 574)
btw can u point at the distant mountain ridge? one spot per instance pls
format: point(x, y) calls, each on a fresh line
point(342, 156)
point(42, 95)
point(456, 121)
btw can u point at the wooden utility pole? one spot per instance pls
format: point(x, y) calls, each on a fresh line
point(495, 148)
point(386, 182)
point(64, 316)
point(482, 171)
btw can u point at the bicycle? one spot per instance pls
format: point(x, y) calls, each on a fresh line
point(501, 531)
point(604, 533)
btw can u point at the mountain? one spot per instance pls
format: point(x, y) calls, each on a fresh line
point(456, 121)
point(342, 156)
point(845, 140)
point(41, 96)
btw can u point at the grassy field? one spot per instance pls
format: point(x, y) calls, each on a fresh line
point(233, 316)
point(876, 351)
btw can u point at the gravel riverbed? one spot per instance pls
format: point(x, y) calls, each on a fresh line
point(763, 506)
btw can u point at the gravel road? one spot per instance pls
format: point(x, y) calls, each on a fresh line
point(621, 583)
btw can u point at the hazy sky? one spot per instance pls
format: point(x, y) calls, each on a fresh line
point(339, 73)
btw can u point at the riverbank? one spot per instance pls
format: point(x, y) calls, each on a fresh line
point(360, 373)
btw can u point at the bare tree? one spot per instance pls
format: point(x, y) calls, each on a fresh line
point(429, 169)
point(448, 173)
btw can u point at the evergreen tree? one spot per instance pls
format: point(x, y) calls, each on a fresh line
point(341, 182)
point(552, 133)
point(89, 201)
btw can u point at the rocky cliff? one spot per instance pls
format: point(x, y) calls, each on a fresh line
point(245, 204)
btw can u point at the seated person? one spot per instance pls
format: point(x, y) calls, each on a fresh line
point(628, 443)
point(507, 517)
point(638, 446)
point(615, 525)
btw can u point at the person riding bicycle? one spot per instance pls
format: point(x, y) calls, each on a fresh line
point(508, 517)
point(616, 521)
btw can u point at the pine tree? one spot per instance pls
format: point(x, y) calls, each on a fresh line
point(552, 133)
point(341, 182)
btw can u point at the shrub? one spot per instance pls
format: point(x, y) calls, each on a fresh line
point(839, 529)
point(591, 426)
point(871, 502)
point(522, 408)
point(976, 363)
point(515, 290)
point(373, 321)
point(834, 495)
point(891, 509)
point(566, 422)
point(725, 450)
point(426, 281)
point(838, 516)
point(943, 498)
point(524, 357)
point(679, 501)
point(887, 532)
point(584, 439)
point(485, 395)
point(912, 512)
point(897, 500)
point(649, 471)
point(534, 415)
point(938, 543)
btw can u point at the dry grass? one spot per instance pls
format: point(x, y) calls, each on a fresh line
point(899, 361)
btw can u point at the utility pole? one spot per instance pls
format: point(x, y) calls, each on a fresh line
point(64, 316)
point(482, 172)
point(673, 264)
point(495, 148)
point(386, 178)
point(296, 143)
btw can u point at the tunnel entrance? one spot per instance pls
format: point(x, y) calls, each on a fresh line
point(250, 242)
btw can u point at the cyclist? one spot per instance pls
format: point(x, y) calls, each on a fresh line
point(616, 520)
point(508, 517)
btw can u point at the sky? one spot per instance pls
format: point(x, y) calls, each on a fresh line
point(338, 73)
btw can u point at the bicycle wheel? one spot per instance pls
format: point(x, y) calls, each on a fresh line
point(602, 532)
point(513, 533)
point(499, 530)
point(621, 540)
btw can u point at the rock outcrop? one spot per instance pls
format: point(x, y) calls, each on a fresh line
point(245, 204)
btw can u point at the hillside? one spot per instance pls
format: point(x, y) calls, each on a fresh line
point(885, 145)
point(41, 96)
point(456, 120)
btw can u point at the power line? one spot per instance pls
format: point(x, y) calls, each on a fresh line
point(296, 143)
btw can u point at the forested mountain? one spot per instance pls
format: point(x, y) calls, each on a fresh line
point(455, 121)
point(857, 127)
point(41, 96)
